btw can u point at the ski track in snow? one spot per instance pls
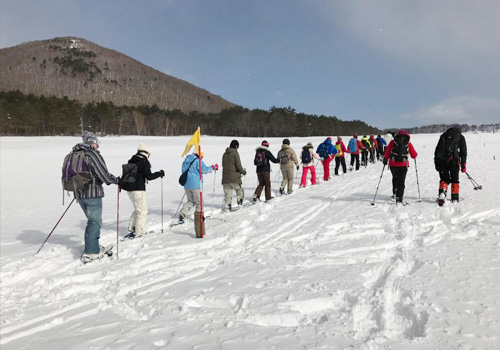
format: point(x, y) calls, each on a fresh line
point(288, 264)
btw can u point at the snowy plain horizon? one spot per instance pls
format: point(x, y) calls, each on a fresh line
point(318, 269)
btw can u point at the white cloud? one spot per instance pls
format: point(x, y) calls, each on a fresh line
point(464, 110)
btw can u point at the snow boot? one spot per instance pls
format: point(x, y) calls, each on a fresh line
point(199, 223)
point(181, 220)
point(86, 258)
point(282, 191)
point(455, 189)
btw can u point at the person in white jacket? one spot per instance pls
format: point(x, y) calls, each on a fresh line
point(308, 156)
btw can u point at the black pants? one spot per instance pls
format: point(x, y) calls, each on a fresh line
point(338, 162)
point(450, 173)
point(355, 158)
point(372, 155)
point(380, 152)
point(398, 181)
point(364, 157)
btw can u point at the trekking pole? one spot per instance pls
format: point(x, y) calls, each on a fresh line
point(117, 220)
point(162, 205)
point(418, 185)
point(373, 203)
point(46, 239)
point(180, 204)
point(213, 192)
point(474, 183)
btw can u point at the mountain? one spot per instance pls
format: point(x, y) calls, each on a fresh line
point(87, 72)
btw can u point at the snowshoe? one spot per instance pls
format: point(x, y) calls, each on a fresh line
point(104, 251)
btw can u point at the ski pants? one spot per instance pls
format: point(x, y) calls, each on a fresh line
point(92, 208)
point(398, 181)
point(138, 219)
point(228, 192)
point(355, 158)
point(380, 152)
point(264, 182)
point(364, 157)
point(372, 155)
point(303, 181)
point(340, 161)
point(450, 173)
point(193, 199)
point(287, 179)
point(326, 168)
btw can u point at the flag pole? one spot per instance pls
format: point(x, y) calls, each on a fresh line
point(201, 188)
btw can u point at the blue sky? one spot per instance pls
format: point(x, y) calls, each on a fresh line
point(390, 63)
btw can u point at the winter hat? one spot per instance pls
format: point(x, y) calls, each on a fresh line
point(89, 138)
point(265, 143)
point(329, 138)
point(143, 149)
point(458, 127)
point(234, 144)
point(286, 142)
point(403, 132)
point(309, 143)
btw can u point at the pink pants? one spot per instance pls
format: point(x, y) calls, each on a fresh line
point(303, 182)
point(326, 168)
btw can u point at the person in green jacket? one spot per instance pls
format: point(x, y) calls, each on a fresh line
point(231, 175)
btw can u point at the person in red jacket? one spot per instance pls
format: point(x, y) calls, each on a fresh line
point(397, 153)
point(354, 148)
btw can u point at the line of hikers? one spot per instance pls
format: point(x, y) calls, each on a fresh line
point(84, 172)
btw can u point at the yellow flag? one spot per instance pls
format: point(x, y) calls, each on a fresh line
point(193, 141)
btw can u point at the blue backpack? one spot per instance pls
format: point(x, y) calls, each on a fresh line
point(353, 145)
point(323, 150)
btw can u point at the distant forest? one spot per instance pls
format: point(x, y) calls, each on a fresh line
point(30, 115)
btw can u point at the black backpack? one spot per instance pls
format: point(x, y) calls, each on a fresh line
point(283, 157)
point(128, 180)
point(399, 151)
point(184, 176)
point(260, 158)
point(306, 156)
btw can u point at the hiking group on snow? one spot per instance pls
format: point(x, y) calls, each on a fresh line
point(84, 173)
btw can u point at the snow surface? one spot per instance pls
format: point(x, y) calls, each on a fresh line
point(319, 269)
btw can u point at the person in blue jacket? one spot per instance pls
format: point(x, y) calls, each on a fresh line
point(327, 152)
point(381, 144)
point(192, 189)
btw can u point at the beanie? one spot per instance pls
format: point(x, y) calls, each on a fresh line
point(234, 144)
point(265, 143)
point(286, 142)
point(89, 138)
point(309, 143)
point(329, 138)
point(458, 127)
point(143, 148)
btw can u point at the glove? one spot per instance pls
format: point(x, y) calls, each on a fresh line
point(117, 180)
point(162, 173)
point(298, 167)
point(385, 161)
point(322, 159)
point(464, 168)
point(215, 167)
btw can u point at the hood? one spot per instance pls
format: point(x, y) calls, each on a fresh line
point(307, 147)
point(82, 146)
point(231, 150)
point(403, 132)
point(327, 141)
point(264, 148)
point(285, 146)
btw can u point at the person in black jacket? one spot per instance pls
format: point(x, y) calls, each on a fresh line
point(450, 155)
point(137, 225)
point(262, 158)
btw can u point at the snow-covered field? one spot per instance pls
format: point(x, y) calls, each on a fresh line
point(319, 269)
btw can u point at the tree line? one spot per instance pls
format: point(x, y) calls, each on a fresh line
point(30, 115)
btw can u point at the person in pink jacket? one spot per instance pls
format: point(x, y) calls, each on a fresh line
point(340, 156)
point(397, 153)
point(308, 155)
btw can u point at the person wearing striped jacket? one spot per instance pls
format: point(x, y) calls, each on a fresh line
point(90, 199)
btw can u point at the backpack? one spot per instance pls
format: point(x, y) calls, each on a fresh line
point(260, 158)
point(399, 151)
point(451, 150)
point(75, 174)
point(353, 145)
point(283, 157)
point(323, 150)
point(339, 150)
point(365, 143)
point(128, 180)
point(306, 156)
point(184, 176)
